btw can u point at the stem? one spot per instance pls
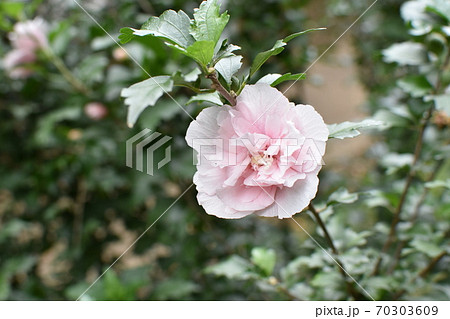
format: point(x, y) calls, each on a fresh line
point(196, 90)
point(414, 216)
point(422, 273)
point(78, 212)
point(349, 286)
point(216, 85)
point(411, 173)
point(66, 73)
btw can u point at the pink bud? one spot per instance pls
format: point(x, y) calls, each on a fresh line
point(95, 110)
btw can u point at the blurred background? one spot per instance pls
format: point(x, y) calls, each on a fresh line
point(69, 206)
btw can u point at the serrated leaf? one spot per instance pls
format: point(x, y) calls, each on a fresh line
point(289, 77)
point(171, 26)
point(277, 48)
point(201, 51)
point(208, 24)
point(415, 85)
point(350, 129)
point(406, 53)
point(342, 195)
point(227, 67)
point(143, 94)
point(264, 258)
point(234, 267)
point(206, 97)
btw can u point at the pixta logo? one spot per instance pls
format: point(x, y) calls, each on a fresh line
point(148, 141)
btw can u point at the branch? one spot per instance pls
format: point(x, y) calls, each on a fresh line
point(66, 73)
point(422, 273)
point(414, 216)
point(349, 285)
point(409, 178)
point(216, 85)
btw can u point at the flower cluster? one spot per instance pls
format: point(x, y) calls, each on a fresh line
point(260, 157)
point(27, 38)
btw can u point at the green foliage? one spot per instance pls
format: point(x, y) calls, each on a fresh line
point(277, 48)
point(145, 93)
point(171, 26)
point(350, 129)
point(264, 258)
point(69, 206)
point(208, 23)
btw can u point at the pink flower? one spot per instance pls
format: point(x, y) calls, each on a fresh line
point(260, 157)
point(27, 38)
point(95, 110)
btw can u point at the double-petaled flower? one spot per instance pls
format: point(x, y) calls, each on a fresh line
point(260, 157)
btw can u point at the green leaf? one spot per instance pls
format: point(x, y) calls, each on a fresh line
point(442, 102)
point(398, 117)
point(440, 7)
point(406, 53)
point(92, 68)
point(234, 267)
point(126, 35)
point(143, 94)
point(227, 67)
point(13, 9)
point(201, 51)
point(425, 246)
point(269, 78)
point(342, 196)
point(262, 57)
point(166, 110)
point(170, 26)
point(350, 129)
point(438, 183)
point(264, 258)
point(208, 24)
point(294, 35)
point(277, 48)
point(289, 77)
point(175, 289)
point(206, 97)
point(192, 76)
point(394, 161)
point(225, 50)
point(415, 85)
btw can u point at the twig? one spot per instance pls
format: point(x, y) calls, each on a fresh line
point(78, 212)
point(349, 286)
point(216, 85)
point(418, 148)
point(422, 273)
point(414, 217)
point(66, 73)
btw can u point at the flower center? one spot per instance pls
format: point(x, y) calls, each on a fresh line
point(261, 161)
